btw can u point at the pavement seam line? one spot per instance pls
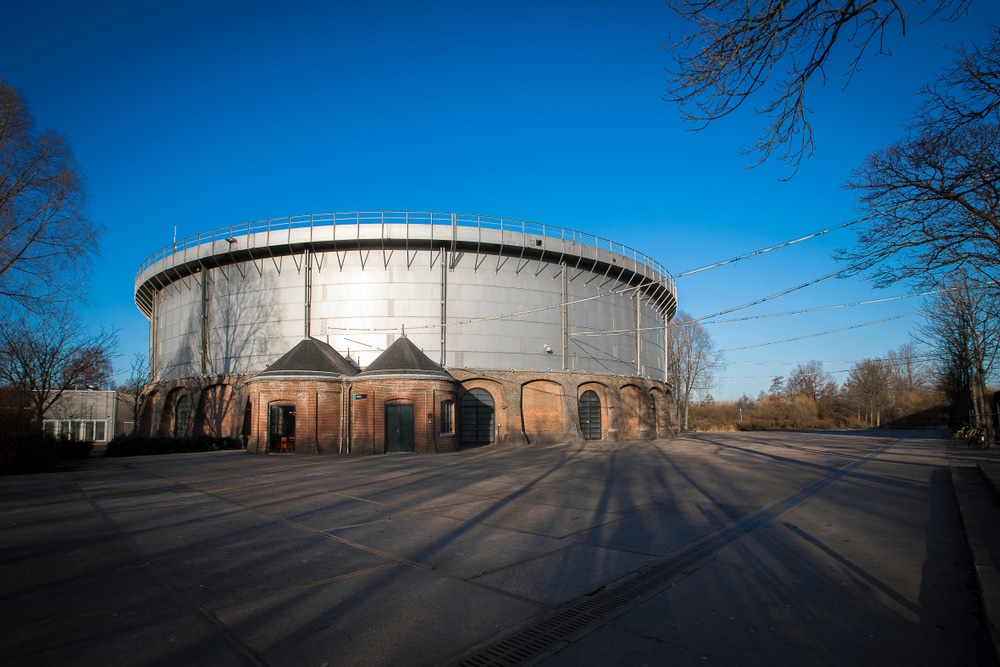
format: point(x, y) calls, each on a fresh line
point(547, 634)
point(248, 653)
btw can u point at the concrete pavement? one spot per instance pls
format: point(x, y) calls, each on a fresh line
point(735, 549)
point(976, 476)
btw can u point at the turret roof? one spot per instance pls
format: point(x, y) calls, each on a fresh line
point(310, 357)
point(403, 358)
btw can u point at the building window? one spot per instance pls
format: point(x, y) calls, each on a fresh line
point(447, 417)
point(590, 415)
point(183, 414)
point(88, 430)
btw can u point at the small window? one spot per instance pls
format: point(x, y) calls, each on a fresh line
point(447, 417)
point(100, 431)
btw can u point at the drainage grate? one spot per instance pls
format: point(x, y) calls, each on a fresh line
point(532, 641)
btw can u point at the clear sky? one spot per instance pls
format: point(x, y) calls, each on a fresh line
point(196, 115)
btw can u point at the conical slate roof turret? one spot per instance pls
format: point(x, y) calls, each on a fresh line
point(310, 358)
point(403, 358)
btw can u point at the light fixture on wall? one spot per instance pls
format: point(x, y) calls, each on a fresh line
point(548, 348)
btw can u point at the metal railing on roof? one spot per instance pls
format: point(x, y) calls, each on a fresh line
point(464, 220)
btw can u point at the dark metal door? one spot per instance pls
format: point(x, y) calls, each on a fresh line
point(590, 415)
point(476, 415)
point(399, 427)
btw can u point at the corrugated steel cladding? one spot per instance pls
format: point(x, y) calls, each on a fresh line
point(541, 299)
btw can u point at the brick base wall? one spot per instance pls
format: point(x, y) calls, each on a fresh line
point(349, 415)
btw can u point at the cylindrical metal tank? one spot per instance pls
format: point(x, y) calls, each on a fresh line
point(470, 291)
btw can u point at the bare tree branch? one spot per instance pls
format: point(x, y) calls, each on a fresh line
point(46, 235)
point(44, 355)
point(963, 329)
point(691, 362)
point(739, 47)
point(935, 193)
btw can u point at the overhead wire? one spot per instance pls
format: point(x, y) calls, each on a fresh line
point(707, 319)
point(824, 333)
point(779, 246)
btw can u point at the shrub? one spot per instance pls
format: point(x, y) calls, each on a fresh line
point(132, 445)
point(70, 449)
point(26, 454)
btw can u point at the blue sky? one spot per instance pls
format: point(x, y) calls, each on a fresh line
point(196, 115)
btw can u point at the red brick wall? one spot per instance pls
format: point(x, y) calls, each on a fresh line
point(368, 414)
point(542, 409)
point(317, 413)
point(529, 407)
point(633, 408)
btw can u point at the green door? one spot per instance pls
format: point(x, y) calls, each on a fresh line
point(398, 427)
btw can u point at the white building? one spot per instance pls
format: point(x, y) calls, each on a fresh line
point(89, 416)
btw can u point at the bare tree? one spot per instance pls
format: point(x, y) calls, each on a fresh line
point(737, 47)
point(137, 386)
point(46, 355)
point(962, 327)
point(691, 362)
point(911, 375)
point(811, 380)
point(45, 231)
point(934, 195)
point(868, 388)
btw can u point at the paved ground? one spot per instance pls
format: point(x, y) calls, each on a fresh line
point(729, 549)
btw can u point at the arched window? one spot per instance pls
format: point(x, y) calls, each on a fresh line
point(590, 415)
point(182, 415)
point(476, 414)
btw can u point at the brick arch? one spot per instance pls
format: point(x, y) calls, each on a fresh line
point(634, 413)
point(542, 411)
point(169, 425)
point(496, 392)
point(604, 393)
point(660, 409)
point(493, 386)
point(145, 423)
point(215, 415)
point(477, 417)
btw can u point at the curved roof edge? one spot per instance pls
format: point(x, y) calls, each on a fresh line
point(389, 229)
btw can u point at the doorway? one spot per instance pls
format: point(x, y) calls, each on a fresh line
point(399, 427)
point(476, 414)
point(281, 429)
